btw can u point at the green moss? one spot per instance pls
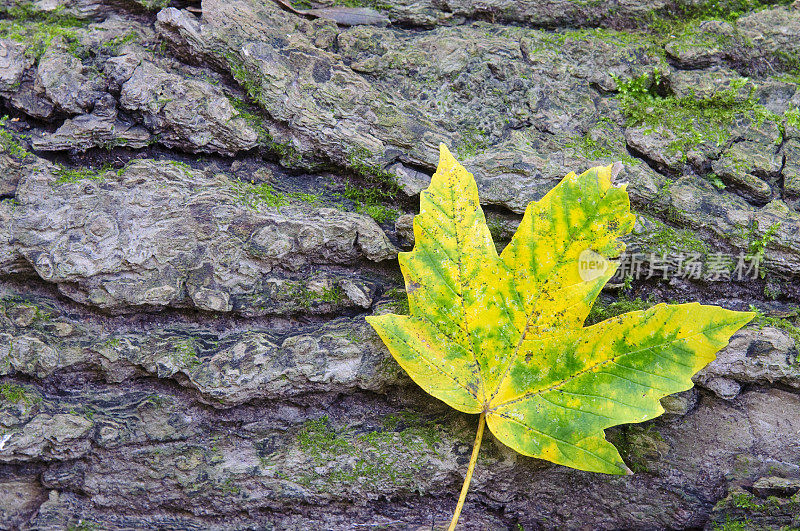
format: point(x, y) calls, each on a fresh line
point(13, 393)
point(386, 454)
point(288, 154)
point(755, 241)
point(250, 83)
point(790, 62)
point(83, 525)
point(112, 46)
point(317, 439)
point(38, 29)
point(729, 10)
point(73, 175)
point(686, 35)
point(229, 487)
point(694, 121)
point(369, 201)
point(252, 119)
point(180, 165)
point(286, 151)
point(743, 500)
point(154, 5)
point(374, 4)
point(379, 213)
point(114, 342)
point(602, 310)
point(772, 291)
point(158, 401)
point(306, 298)
point(305, 197)
point(412, 425)
point(256, 195)
point(715, 179)
point(757, 245)
point(89, 412)
point(792, 76)
point(792, 118)
point(10, 144)
point(333, 295)
point(399, 299)
point(159, 48)
point(112, 143)
point(472, 142)
point(600, 149)
point(743, 506)
point(680, 21)
point(186, 352)
point(666, 240)
point(732, 525)
point(358, 160)
point(557, 39)
point(41, 315)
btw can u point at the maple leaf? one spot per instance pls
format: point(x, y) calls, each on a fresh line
point(503, 335)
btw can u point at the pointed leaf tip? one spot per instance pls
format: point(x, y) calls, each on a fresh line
point(444, 155)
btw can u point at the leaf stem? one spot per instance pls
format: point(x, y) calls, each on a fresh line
point(472, 461)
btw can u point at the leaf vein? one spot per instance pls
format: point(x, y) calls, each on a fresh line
point(568, 242)
point(530, 428)
point(575, 408)
point(592, 368)
point(430, 362)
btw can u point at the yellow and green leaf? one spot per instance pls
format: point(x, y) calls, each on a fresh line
point(503, 335)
